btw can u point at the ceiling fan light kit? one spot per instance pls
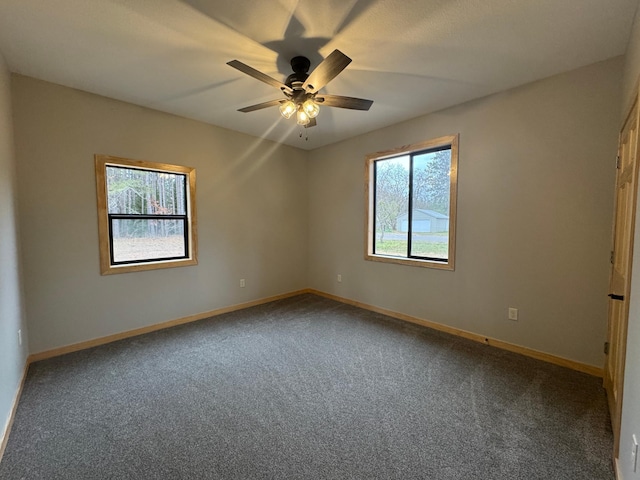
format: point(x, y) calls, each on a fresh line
point(287, 109)
point(302, 118)
point(301, 88)
point(311, 108)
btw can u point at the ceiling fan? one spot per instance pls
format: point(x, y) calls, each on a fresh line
point(301, 89)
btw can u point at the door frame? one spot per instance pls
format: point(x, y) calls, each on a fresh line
point(615, 401)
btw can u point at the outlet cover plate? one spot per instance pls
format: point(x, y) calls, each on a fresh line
point(634, 454)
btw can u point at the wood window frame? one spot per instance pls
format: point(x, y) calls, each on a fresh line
point(370, 159)
point(107, 267)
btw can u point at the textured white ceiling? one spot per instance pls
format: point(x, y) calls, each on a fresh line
point(410, 57)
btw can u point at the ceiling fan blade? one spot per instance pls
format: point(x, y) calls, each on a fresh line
point(312, 123)
point(343, 102)
point(260, 106)
point(328, 69)
point(252, 72)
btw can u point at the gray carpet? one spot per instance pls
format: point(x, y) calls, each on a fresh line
point(306, 388)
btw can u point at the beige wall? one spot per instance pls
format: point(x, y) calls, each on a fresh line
point(534, 217)
point(631, 69)
point(535, 205)
point(251, 200)
point(536, 180)
point(631, 396)
point(12, 355)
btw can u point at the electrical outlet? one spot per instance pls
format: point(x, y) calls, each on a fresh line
point(634, 454)
point(339, 278)
point(513, 314)
point(20, 337)
point(242, 283)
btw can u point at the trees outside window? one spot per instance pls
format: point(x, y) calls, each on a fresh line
point(411, 204)
point(146, 215)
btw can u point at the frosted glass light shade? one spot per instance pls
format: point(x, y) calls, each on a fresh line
point(302, 117)
point(311, 108)
point(287, 109)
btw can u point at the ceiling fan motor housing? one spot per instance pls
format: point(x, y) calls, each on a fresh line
point(300, 66)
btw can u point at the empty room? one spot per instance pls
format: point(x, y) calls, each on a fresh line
point(367, 239)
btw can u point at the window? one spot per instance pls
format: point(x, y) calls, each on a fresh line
point(411, 204)
point(146, 215)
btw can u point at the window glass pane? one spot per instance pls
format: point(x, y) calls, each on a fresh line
point(430, 200)
point(391, 205)
point(147, 239)
point(145, 192)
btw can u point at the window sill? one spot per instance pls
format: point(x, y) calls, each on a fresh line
point(137, 267)
point(413, 262)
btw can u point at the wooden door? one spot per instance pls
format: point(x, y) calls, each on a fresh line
point(625, 206)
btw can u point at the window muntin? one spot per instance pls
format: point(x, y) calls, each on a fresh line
point(411, 204)
point(146, 215)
